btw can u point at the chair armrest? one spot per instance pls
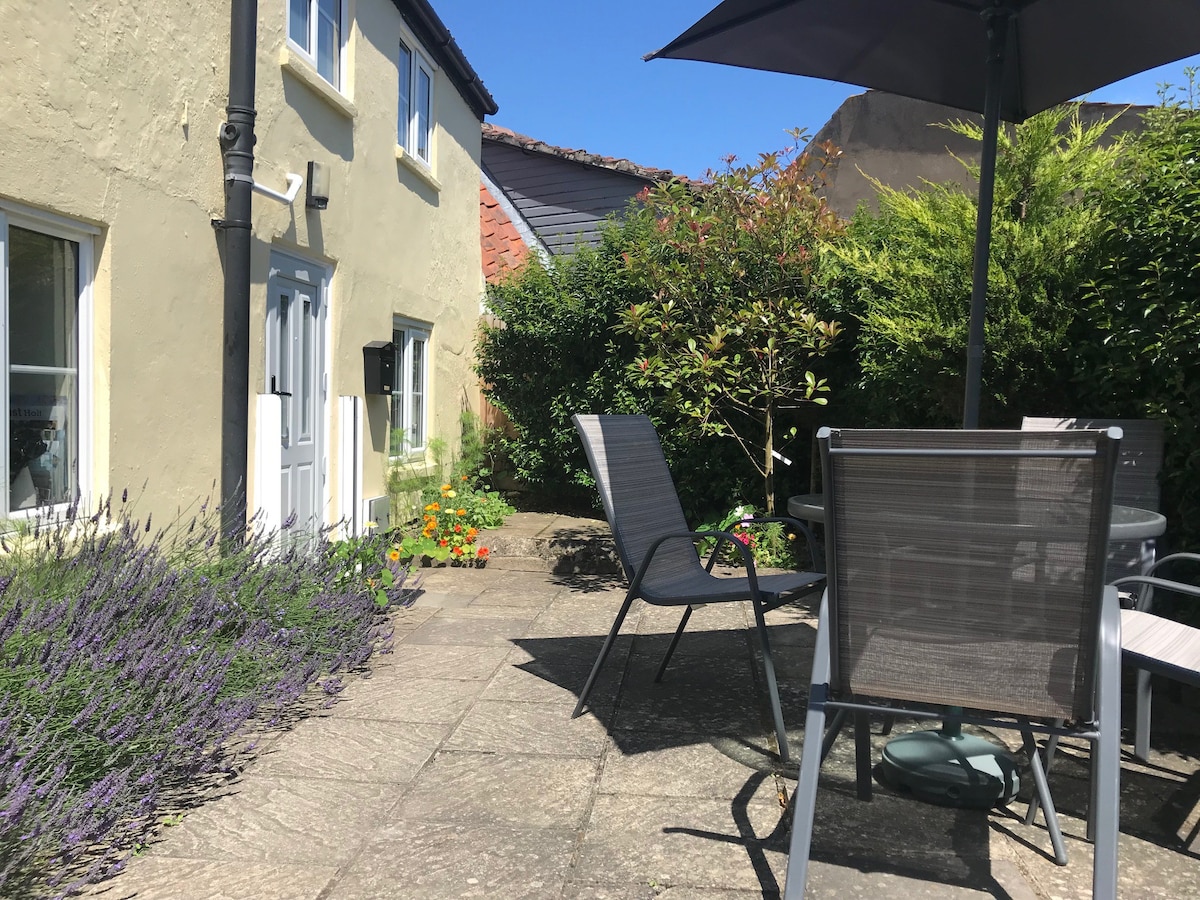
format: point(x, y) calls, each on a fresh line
point(1163, 584)
point(747, 557)
point(1174, 557)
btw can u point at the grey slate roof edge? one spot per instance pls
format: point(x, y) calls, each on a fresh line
point(434, 36)
point(503, 135)
point(527, 232)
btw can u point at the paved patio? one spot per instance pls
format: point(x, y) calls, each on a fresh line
point(453, 770)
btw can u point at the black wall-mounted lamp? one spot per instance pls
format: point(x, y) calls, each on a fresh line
point(318, 186)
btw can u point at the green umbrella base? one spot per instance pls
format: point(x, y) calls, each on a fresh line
point(957, 770)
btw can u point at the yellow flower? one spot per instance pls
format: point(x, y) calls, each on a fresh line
point(445, 487)
point(370, 524)
point(450, 494)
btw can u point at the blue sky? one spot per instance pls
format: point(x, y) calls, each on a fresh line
point(570, 72)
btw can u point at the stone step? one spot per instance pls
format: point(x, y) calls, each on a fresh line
point(545, 542)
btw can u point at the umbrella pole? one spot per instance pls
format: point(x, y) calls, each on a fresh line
point(997, 26)
point(947, 766)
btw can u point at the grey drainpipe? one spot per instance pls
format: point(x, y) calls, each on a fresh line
point(237, 145)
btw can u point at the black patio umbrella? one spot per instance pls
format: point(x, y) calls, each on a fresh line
point(1006, 59)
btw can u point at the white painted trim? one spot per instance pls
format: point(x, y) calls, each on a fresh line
point(81, 234)
point(268, 460)
point(48, 221)
point(350, 465)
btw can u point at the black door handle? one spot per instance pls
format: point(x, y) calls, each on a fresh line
point(278, 393)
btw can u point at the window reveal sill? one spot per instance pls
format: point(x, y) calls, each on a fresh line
point(305, 73)
point(418, 167)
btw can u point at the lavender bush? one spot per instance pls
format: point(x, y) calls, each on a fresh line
point(128, 660)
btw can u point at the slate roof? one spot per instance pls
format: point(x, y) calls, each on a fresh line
point(513, 139)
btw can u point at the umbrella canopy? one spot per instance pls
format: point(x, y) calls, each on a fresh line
point(1007, 59)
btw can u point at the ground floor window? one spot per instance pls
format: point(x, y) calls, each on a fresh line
point(44, 279)
point(410, 414)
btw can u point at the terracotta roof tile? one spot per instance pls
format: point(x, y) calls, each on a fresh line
point(507, 136)
point(503, 248)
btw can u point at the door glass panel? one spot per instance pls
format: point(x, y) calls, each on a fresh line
point(305, 392)
point(284, 368)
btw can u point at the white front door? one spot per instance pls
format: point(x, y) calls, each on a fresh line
point(295, 373)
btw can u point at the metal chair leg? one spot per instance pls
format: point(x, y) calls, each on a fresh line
point(1105, 811)
point(805, 797)
point(1141, 734)
point(772, 685)
point(1043, 791)
point(862, 755)
point(687, 614)
point(1051, 747)
point(608, 643)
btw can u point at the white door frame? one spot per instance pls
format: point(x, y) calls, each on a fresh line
point(318, 275)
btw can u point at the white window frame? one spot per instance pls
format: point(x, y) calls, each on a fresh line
point(307, 49)
point(83, 236)
point(408, 133)
point(403, 391)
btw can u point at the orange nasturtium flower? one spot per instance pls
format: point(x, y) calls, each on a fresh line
point(458, 551)
point(461, 512)
point(458, 528)
point(445, 487)
point(394, 554)
point(482, 552)
point(443, 542)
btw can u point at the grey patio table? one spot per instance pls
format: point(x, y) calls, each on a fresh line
point(1129, 523)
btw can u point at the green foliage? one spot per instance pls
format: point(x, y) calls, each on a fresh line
point(905, 276)
point(412, 482)
point(770, 543)
point(364, 563)
point(451, 522)
point(726, 330)
point(552, 352)
point(1137, 353)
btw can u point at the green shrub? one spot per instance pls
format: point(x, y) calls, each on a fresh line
point(1137, 345)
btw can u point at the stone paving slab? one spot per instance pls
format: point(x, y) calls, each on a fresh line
point(162, 876)
point(455, 771)
point(437, 861)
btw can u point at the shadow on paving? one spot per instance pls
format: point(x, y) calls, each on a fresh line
point(713, 692)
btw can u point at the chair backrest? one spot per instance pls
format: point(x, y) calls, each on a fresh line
point(966, 568)
point(639, 497)
point(1136, 481)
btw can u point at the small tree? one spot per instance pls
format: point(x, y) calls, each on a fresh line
point(904, 275)
point(728, 334)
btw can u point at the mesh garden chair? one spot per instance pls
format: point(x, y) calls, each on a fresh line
point(966, 569)
point(1135, 483)
point(658, 552)
point(1157, 645)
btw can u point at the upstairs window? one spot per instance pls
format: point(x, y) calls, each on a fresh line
point(414, 128)
point(315, 28)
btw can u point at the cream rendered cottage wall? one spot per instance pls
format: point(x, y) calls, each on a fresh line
point(111, 113)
